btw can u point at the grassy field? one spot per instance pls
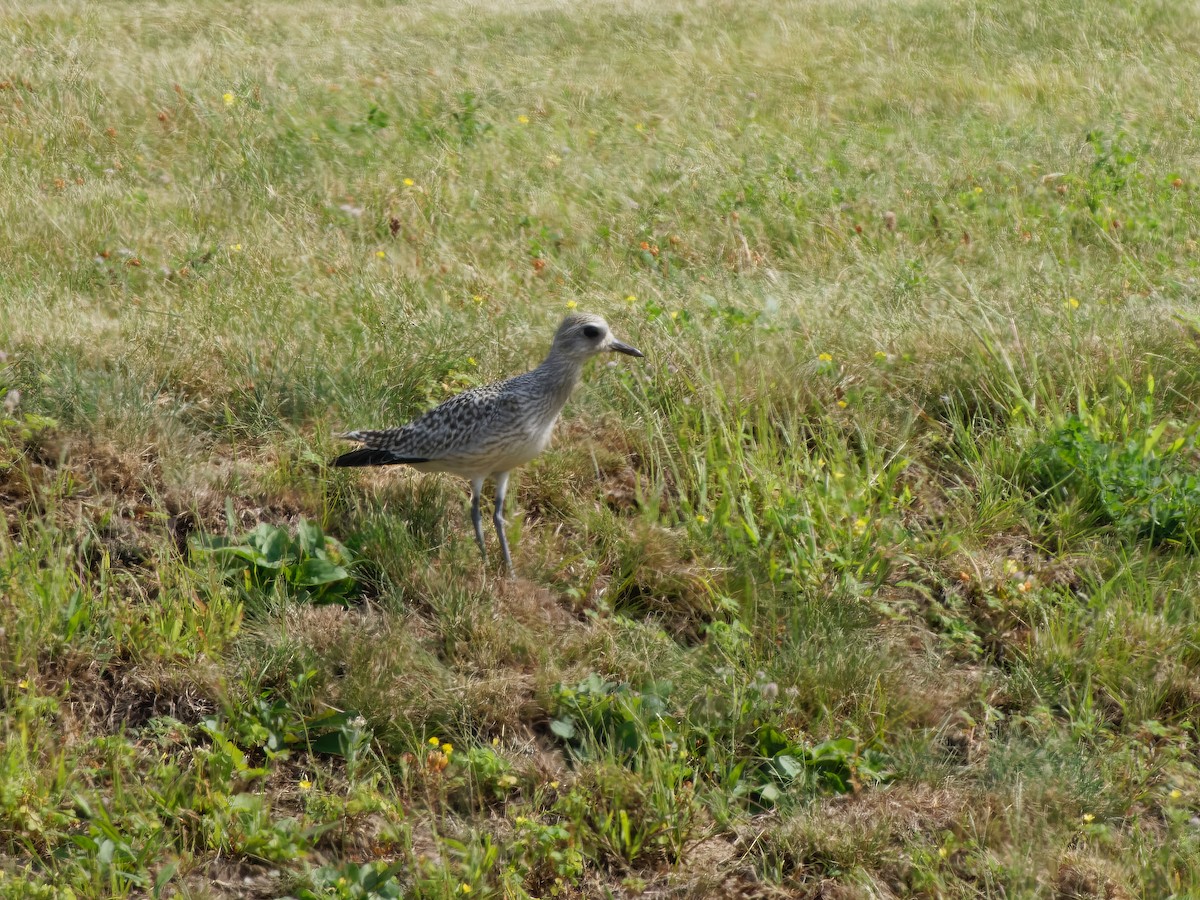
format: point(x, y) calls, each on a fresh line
point(877, 577)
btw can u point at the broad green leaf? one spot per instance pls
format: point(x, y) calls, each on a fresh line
point(1153, 438)
point(165, 874)
point(273, 542)
point(789, 766)
point(768, 793)
point(838, 748)
point(249, 554)
point(332, 743)
point(315, 572)
point(309, 537)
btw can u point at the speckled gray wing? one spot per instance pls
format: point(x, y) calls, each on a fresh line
point(469, 425)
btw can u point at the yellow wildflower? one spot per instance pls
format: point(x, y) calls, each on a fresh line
point(943, 852)
point(380, 254)
point(825, 357)
point(1072, 303)
point(702, 519)
point(434, 741)
point(237, 248)
point(447, 749)
point(554, 785)
point(1088, 818)
point(305, 784)
point(524, 120)
point(1175, 794)
point(229, 99)
point(880, 356)
point(478, 300)
point(408, 182)
point(842, 404)
point(631, 299)
point(571, 304)
point(978, 189)
point(466, 888)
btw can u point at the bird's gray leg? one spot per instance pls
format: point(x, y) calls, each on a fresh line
point(498, 518)
point(476, 515)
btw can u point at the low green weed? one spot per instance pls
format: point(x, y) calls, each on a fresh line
point(1123, 468)
point(352, 881)
point(546, 854)
point(733, 745)
point(275, 727)
point(488, 774)
point(309, 565)
point(17, 428)
point(632, 817)
point(121, 858)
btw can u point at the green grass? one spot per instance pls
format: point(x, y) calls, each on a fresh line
point(874, 578)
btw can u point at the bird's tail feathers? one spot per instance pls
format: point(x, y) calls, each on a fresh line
point(372, 456)
point(378, 449)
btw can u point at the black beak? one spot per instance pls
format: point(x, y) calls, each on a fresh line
point(618, 347)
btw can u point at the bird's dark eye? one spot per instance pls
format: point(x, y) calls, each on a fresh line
point(591, 332)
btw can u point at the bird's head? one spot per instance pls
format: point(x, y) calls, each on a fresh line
point(582, 335)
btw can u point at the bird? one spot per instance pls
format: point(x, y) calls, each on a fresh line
point(488, 431)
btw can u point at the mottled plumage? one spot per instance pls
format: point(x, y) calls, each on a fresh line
point(490, 430)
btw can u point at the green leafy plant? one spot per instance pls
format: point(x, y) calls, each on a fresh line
point(352, 881)
point(19, 431)
point(122, 858)
point(275, 728)
point(24, 427)
point(597, 713)
point(309, 564)
point(1123, 469)
point(732, 744)
point(630, 817)
point(837, 766)
point(467, 121)
point(487, 772)
point(546, 854)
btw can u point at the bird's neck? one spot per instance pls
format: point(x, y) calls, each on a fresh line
point(561, 374)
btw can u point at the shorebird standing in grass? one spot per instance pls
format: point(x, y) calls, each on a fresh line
point(490, 430)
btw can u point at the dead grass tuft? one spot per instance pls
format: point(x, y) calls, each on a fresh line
point(869, 831)
point(112, 697)
point(533, 606)
point(244, 878)
point(1081, 876)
